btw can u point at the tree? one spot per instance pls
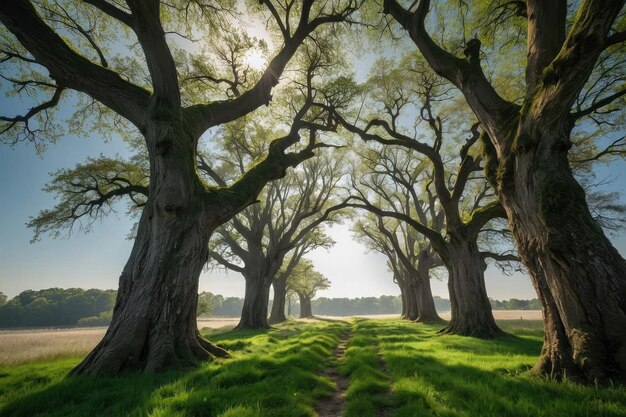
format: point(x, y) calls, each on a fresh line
point(154, 324)
point(257, 241)
point(410, 259)
point(305, 281)
point(3, 298)
point(466, 200)
point(582, 286)
point(206, 303)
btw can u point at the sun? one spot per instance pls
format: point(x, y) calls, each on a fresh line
point(256, 60)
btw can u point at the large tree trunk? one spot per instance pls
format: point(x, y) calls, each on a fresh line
point(154, 320)
point(277, 314)
point(579, 276)
point(470, 307)
point(306, 310)
point(426, 311)
point(255, 301)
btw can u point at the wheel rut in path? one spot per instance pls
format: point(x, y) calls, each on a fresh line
point(335, 405)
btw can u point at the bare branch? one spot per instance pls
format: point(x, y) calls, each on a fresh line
point(596, 105)
point(111, 10)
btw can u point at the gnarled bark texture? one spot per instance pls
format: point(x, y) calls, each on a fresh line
point(153, 324)
point(154, 320)
point(579, 276)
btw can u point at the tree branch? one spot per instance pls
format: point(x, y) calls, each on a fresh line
point(490, 108)
point(70, 69)
point(598, 105)
point(111, 10)
point(220, 259)
point(499, 257)
point(484, 214)
point(219, 112)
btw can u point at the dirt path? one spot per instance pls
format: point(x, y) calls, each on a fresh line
point(334, 405)
point(384, 411)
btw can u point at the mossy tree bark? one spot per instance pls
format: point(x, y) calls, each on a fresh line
point(154, 320)
point(579, 276)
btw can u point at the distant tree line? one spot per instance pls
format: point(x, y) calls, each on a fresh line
point(58, 307)
point(515, 304)
point(93, 307)
point(385, 304)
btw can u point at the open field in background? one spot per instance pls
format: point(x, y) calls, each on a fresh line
point(508, 315)
point(22, 346)
point(32, 345)
point(393, 368)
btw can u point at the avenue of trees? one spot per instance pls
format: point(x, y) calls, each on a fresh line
point(286, 220)
point(470, 145)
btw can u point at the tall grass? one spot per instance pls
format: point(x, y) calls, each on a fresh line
point(22, 346)
point(18, 347)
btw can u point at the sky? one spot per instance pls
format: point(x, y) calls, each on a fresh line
point(96, 259)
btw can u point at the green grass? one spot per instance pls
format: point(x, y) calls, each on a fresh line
point(453, 376)
point(369, 387)
point(271, 373)
point(278, 373)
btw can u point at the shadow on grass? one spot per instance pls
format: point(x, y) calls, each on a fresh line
point(273, 373)
point(455, 376)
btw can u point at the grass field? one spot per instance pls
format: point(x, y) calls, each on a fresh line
point(393, 369)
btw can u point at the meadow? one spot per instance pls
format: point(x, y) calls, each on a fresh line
point(359, 367)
